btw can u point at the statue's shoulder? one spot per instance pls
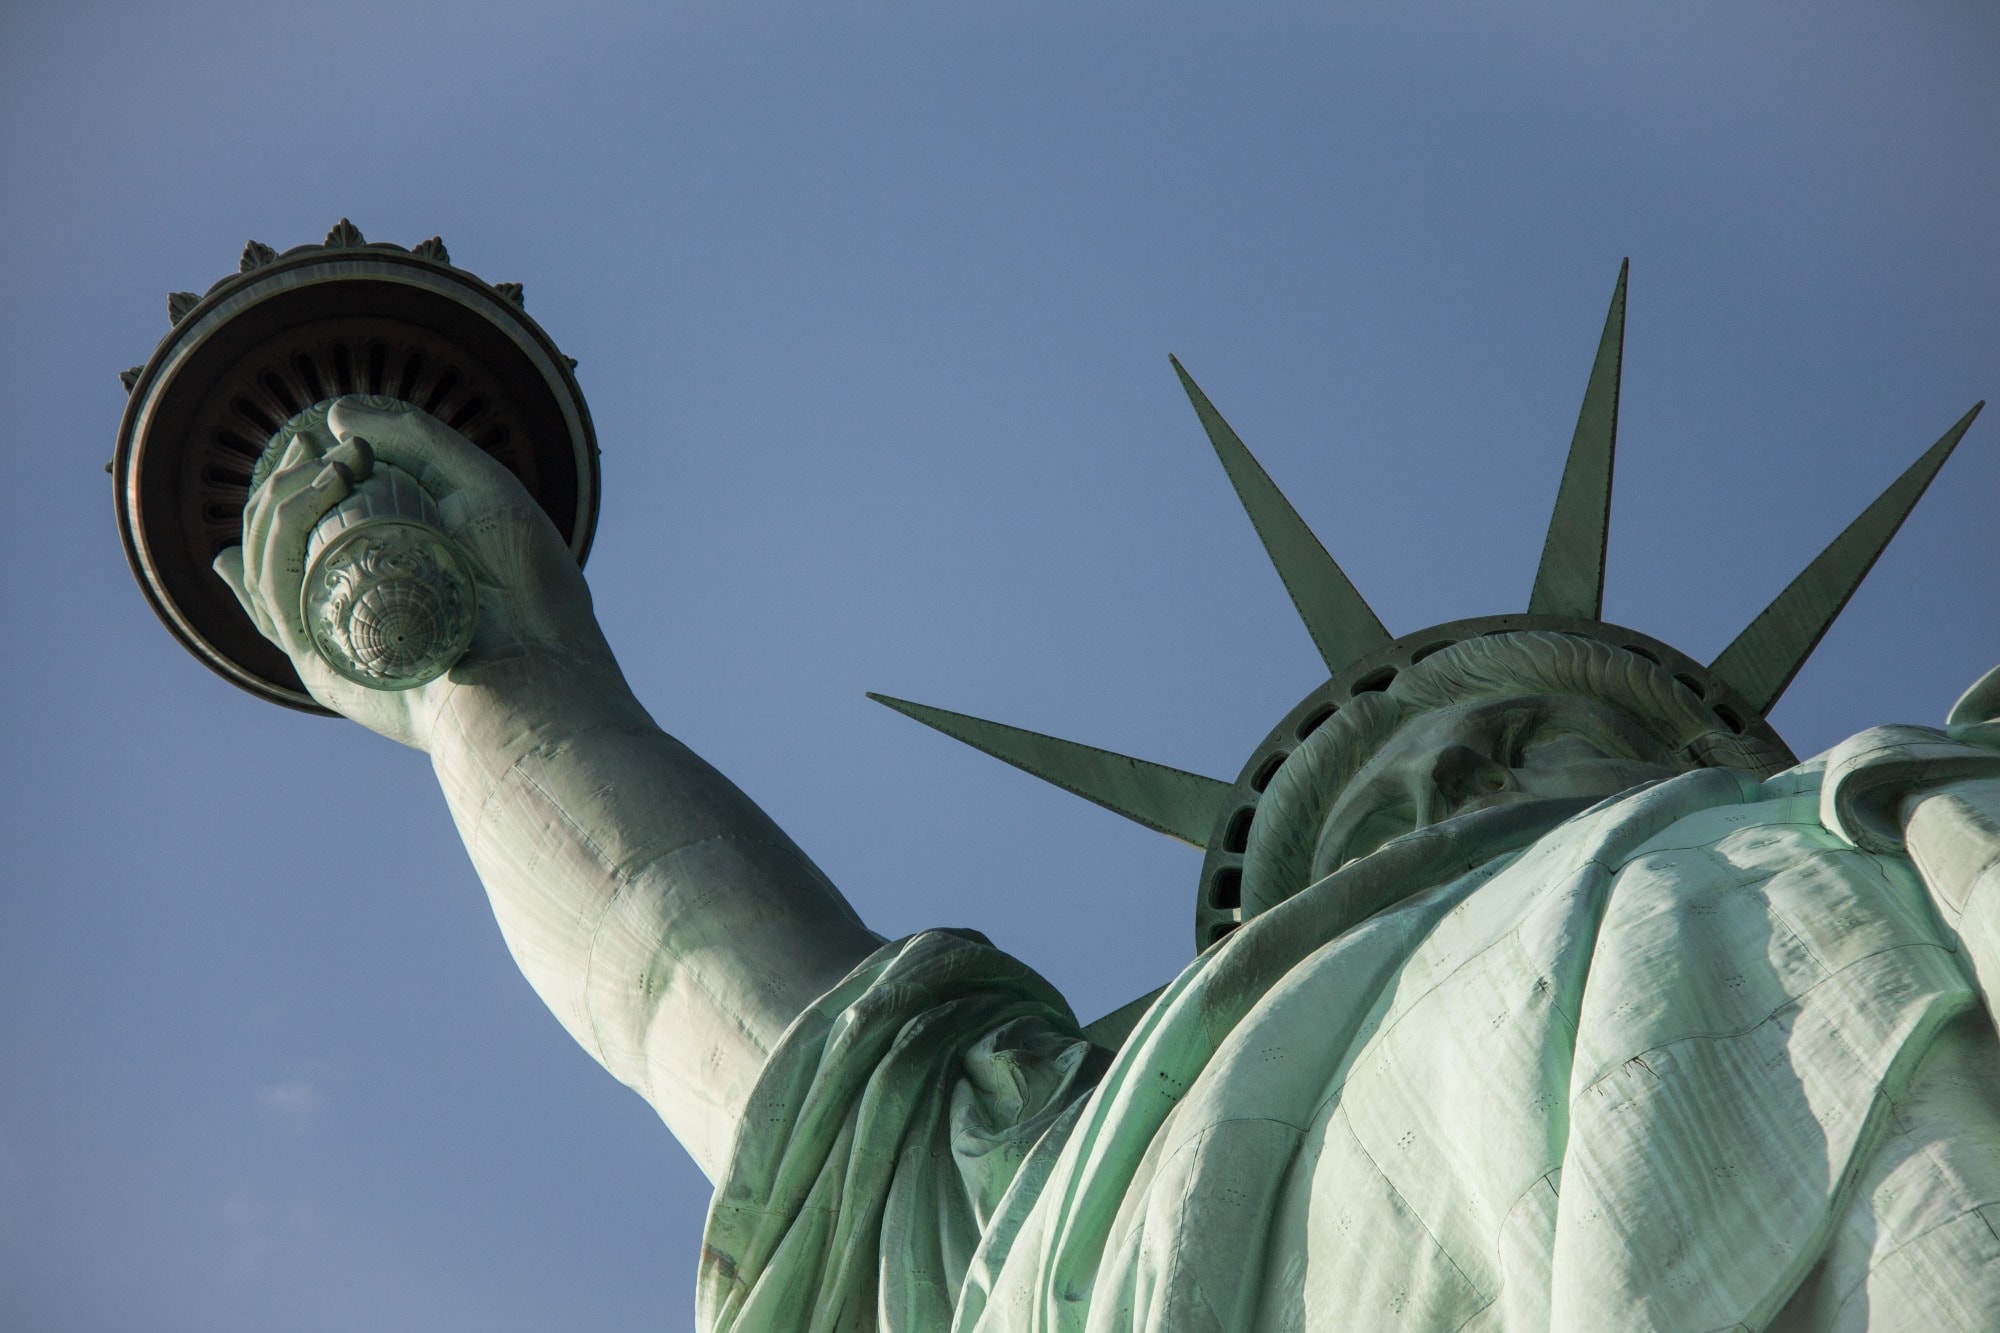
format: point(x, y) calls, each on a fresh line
point(1868, 775)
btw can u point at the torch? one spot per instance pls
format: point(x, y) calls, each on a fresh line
point(389, 600)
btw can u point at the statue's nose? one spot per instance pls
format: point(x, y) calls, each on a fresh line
point(1461, 774)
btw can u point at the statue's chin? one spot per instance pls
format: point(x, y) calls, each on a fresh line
point(1488, 802)
point(1577, 797)
point(1504, 818)
point(1513, 810)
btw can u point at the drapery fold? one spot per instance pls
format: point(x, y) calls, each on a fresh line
point(1689, 1059)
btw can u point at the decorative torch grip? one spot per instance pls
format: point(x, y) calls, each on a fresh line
point(388, 598)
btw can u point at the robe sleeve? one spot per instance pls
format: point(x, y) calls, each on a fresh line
point(882, 1140)
point(1936, 796)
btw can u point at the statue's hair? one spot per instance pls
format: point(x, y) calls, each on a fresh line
point(1546, 662)
point(1280, 856)
point(1543, 662)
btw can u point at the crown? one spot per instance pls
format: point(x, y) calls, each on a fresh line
point(1739, 687)
point(287, 332)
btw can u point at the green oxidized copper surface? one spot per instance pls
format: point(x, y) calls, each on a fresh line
point(1741, 685)
point(1539, 985)
point(291, 330)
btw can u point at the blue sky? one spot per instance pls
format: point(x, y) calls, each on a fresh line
point(873, 309)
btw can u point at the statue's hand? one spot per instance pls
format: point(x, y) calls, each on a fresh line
point(532, 598)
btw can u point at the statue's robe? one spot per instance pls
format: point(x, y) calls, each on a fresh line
point(1712, 1054)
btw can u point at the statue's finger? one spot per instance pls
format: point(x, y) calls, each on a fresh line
point(439, 457)
point(356, 455)
point(282, 566)
point(295, 453)
point(293, 518)
point(316, 438)
point(297, 470)
point(260, 514)
point(298, 466)
point(334, 474)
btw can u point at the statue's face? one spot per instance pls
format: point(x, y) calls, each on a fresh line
point(1489, 752)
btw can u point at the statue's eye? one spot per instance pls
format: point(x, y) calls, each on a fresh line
point(1555, 746)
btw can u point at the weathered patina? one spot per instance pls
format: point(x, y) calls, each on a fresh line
point(1540, 985)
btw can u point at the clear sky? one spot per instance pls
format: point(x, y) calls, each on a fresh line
point(873, 312)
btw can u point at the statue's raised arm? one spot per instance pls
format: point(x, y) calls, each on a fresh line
point(1538, 983)
point(668, 922)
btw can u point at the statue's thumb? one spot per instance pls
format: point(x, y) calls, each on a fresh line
point(1979, 704)
point(229, 566)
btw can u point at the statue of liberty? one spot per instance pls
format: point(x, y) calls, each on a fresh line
point(1539, 984)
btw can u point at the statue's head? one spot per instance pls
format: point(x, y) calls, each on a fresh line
point(1555, 704)
point(1494, 720)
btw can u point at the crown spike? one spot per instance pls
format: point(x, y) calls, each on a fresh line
point(1762, 660)
point(1570, 580)
point(1341, 623)
point(1167, 800)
